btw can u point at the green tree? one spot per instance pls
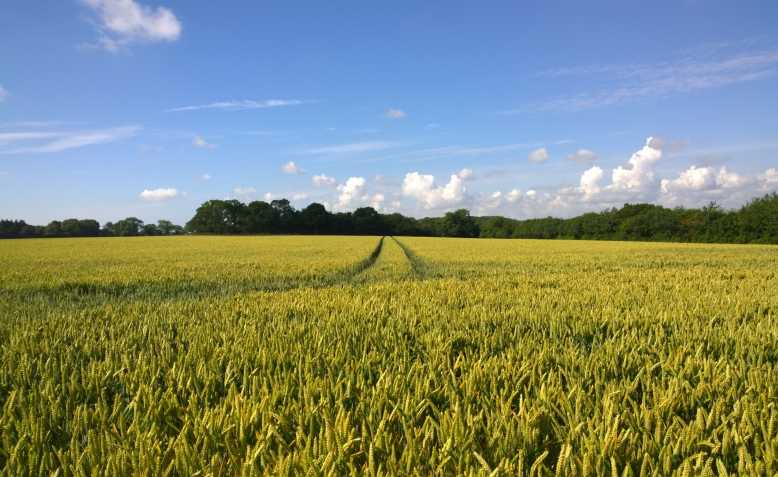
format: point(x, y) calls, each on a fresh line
point(460, 224)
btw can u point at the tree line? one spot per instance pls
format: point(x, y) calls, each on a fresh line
point(755, 222)
point(131, 226)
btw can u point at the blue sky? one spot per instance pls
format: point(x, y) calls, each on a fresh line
point(111, 108)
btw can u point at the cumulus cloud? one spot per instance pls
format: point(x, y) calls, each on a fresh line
point(201, 143)
point(583, 155)
point(465, 173)
point(700, 184)
point(770, 177)
point(635, 181)
point(538, 155)
point(513, 196)
point(640, 174)
point(291, 168)
point(323, 180)
point(395, 114)
point(377, 200)
point(590, 181)
point(159, 195)
point(121, 22)
point(422, 187)
point(351, 192)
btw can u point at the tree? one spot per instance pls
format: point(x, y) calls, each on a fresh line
point(460, 224)
point(88, 228)
point(210, 217)
point(758, 220)
point(285, 213)
point(315, 219)
point(166, 227)
point(128, 227)
point(54, 228)
point(261, 218)
point(70, 227)
point(150, 229)
point(367, 221)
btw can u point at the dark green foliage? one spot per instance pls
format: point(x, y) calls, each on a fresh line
point(756, 222)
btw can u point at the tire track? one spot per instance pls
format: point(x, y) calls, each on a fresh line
point(419, 267)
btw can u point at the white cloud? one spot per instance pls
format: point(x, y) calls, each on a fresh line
point(590, 181)
point(206, 177)
point(457, 151)
point(350, 192)
point(493, 201)
point(268, 196)
point(322, 180)
point(697, 185)
point(299, 196)
point(244, 191)
point(513, 196)
point(121, 22)
point(377, 200)
point(465, 173)
point(198, 141)
point(770, 176)
point(633, 182)
point(158, 195)
point(62, 141)
point(729, 180)
point(641, 173)
point(422, 188)
point(240, 105)
point(395, 114)
point(11, 137)
point(538, 155)
point(3, 93)
point(351, 148)
point(583, 155)
point(632, 82)
point(694, 178)
point(291, 168)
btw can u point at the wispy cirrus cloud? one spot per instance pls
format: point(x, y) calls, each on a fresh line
point(352, 148)
point(240, 105)
point(430, 154)
point(636, 81)
point(58, 141)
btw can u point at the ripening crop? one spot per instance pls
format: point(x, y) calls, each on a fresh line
point(386, 356)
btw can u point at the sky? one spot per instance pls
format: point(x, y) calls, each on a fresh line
point(147, 108)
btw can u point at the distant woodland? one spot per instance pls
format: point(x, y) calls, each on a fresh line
point(755, 222)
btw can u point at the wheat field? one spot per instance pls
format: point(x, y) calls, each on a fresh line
point(386, 356)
